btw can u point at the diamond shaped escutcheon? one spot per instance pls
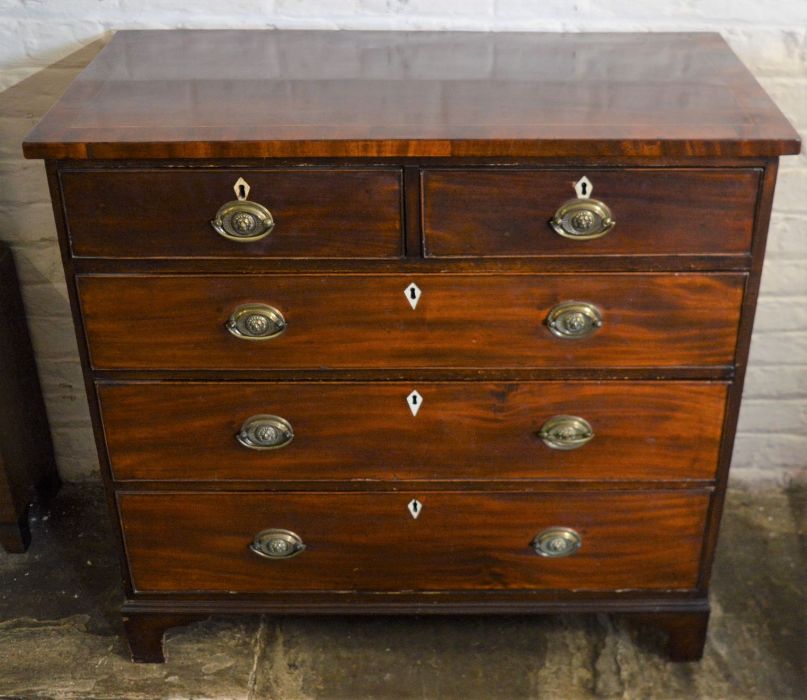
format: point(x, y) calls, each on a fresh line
point(413, 295)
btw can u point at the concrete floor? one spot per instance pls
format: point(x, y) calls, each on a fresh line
point(60, 632)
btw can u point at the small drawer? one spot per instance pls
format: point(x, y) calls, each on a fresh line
point(391, 431)
point(265, 542)
point(182, 213)
point(509, 213)
point(368, 321)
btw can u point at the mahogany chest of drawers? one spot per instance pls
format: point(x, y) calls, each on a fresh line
point(414, 323)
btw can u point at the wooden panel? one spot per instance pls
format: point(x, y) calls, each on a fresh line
point(464, 430)
point(506, 213)
point(199, 542)
point(353, 321)
point(234, 94)
point(318, 213)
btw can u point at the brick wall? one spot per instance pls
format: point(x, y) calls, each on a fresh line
point(770, 39)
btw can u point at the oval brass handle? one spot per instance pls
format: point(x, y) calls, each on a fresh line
point(583, 219)
point(556, 542)
point(256, 322)
point(566, 432)
point(243, 221)
point(574, 319)
point(265, 432)
point(277, 544)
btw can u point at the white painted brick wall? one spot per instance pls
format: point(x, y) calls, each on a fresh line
point(770, 38)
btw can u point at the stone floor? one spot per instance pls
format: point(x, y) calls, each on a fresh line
point(60, 632)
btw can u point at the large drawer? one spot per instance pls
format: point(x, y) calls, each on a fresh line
point(369, 431)
point(366, 321)
point(370, 541)
point(159, 213)
point(507, 212)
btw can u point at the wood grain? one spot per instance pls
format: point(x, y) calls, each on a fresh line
point(366, 431)
point(461, 321)
point(236, 94)
point(679, 139)
point(153, 213)
point(497, 212)
point(199, 542)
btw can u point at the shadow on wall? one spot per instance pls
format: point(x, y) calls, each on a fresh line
point(26, 224)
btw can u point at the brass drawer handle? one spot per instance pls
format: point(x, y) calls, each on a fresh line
point(556, 542)
point(256, 322)
point(265, 432)
point(583, 219)
point(566, 432)
point(241, 220)
point(277, 544)
point(574, 319)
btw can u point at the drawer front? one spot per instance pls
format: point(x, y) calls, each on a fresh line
point(459, 541)
point(317, 213)
point(507, 213)
point(366, 321)
point(458, 430)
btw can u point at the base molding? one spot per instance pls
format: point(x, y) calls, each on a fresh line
point(683, 621)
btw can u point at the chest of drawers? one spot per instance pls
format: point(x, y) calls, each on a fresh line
point(414, 323)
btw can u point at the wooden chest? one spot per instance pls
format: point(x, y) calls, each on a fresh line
point(414, 323)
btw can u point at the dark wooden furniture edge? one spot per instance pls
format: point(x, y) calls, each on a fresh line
point(760, 235)
point(684, 621)
point(378, 485)
point(15, 538)
point(716, 373)
point(89, 384)
point(27, 465)
point(399, 148)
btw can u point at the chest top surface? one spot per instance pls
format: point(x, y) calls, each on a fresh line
point(240, 93)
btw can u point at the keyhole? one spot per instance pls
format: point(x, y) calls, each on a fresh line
point(412, 295)
point(242, 192)
point(414, 400)
point(583, 187)
point(415, 507)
